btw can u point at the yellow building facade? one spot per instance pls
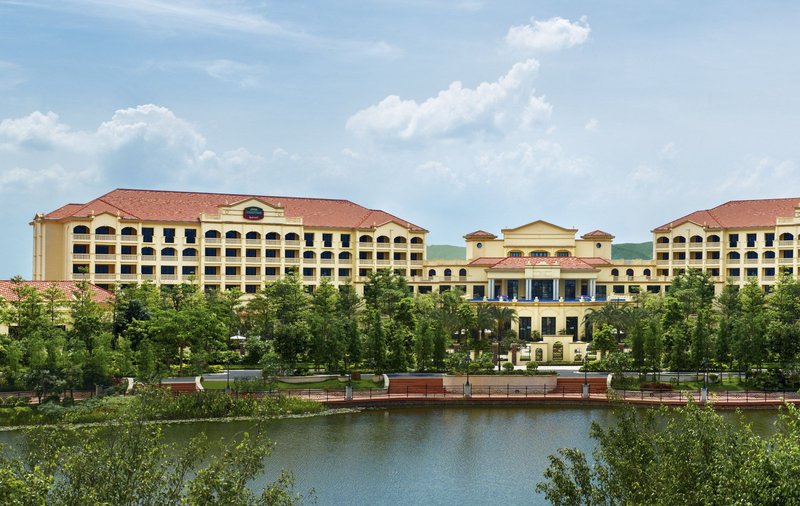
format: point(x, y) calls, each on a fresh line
point(220, 241)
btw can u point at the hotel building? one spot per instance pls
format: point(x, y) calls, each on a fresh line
point(734, 242)
point(220, 241)
point(547, 273)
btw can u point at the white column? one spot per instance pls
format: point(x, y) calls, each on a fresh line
point(592, 288)
point(490, 289)
point(528, 289)
point(555, 289)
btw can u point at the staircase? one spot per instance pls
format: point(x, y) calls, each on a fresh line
point(416, 386)
point(597, 385)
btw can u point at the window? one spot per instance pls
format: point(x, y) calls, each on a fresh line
point(345, 238)
point(478, 291)
point(548, 325)
point(189, 270)
point(148, 269)
point(251, 271)
point(769, 239)
point(751, 240)
point(211, 270)
point(167, 270)
point(147, 234)
point(308, 237)
point(251, 253)
point(231, 252)
point(538, 253)
point(231, 271)
point(733, 240)
point(515, 253)
point(562, 253)
point(250, 288)
point(103, 269)
point(169, 235)
point(212, 252)
point(525, 327)
point(271, 253)
point(618, 289)
point(344, 273)
point(327, 240)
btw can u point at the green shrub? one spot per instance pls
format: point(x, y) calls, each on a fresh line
point(216, 369)
point(508, 367)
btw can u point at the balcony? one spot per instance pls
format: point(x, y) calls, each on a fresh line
point(255, 242)
point(326, 260)
point(695, 245)
point(188, 277)
point(751, 260)
point(786, 243)
point(309, 260)
point(129, 238)
point(233, 240)
point(462, 278)
point(148, 258)
point(786, 260)
point(105, 277)
point(712, 245)
point(346, 260)
point(105, 256)
point(169, 259)
point(148, 277)
point(712, 261)
point(272, 242)
point(383, 246)
point(128, 277)
point(272, 260)
point(105, 238)
point(662, 245)
point(309, 278)
point(695, 261)
point(79, 275)
point(213, 240)
point(292, 243)
point(662, 262)
point(81, 237)
point(255, 278)
point(293, 260)
point(129, 258)
point(270, 277)
point(382, 262)
point(169, 277)
point(81, 256)
point(416, 262)
point(416, 246)
point(253, 260)
point(366, 261)
point(233, 277)
point(768, 278)
point(190, 259)
point(768, 260)
point(734, 261)
point(213, 260)
point(212, 277)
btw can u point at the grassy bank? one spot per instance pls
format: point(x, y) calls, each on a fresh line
point(259, 386)
point(156, 404)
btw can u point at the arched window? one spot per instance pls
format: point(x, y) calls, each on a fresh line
point(189, 252)
point(646, 272)
point(733, 256)
point(326, 255)
point(168, 252)
point(253, 235)
point(695, 239)
point(769, 254)
point(538, 355)
point(211, 234)
point(416, 240)
point(365, 238)
point(515, 253)
point(679, 239)
point(615, 272)
point(273, 236)
point(448, 272)
point(400, 240)
point(562, 253)
point(538, 253)
point(148, 252)
point(713, 238)
point(291, 236)
point(432, 272)
point(786, 236)
point(462, 273)
point(662, 240)
point(751, 255)
point(345, 255)
point(105, 230)
point(629, 272)
point(309, 254)
point(232, 234)
point(382, 239)
point(80, 229)
point(128, 231)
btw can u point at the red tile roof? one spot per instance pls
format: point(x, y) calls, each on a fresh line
point(157, 205)
point(67, 287)
point(480, 233)
point(739, 214)
point(567, 263)
point(597, 233)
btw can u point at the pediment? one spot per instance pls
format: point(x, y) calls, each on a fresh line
point(540, 227)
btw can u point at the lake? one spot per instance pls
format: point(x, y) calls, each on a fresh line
point(453, 455)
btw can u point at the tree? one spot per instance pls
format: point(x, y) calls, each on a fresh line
point(347, 308)
point(783, 330)
point(88, 318)
point(728, 308)
point(604, 340)
point(384, 290)
point(750, 348)
point(290, 333)
point(684, 456)
point(376, 340)
point(327, 342)
point(503, 316)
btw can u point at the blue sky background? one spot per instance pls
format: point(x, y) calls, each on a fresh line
point(456, 115)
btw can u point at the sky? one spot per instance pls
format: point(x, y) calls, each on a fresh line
point(456, 116)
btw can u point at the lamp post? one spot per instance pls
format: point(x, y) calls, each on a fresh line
point(467, 386)
point(704, 390)
point(238, 339)
point(585, 392)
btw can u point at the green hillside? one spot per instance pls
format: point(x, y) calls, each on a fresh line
point(632, 251)
point(446, 252)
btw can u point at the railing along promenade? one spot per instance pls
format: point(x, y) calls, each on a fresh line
point(731, 398)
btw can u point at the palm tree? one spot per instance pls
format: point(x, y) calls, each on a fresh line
point(484, 318)
point(503, 316)
point(614, 314)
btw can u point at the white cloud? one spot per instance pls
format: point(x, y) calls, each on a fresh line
point(549, 35)
point(757, 177)
point(456, 110)
point(440, 174)
point(668, 152)
point(591, 125)
point(522, 163)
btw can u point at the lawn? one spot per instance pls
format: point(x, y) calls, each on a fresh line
point(331, 384)
point(726, 383)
